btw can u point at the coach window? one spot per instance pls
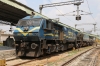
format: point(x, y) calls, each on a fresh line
point(65, 29)
point(48, 25)
point(43, 25)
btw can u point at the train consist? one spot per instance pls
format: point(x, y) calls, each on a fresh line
point(39, 36)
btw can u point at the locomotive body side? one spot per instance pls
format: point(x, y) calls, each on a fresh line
point(79, 38)
point(91, 40)
point(39, 36)
point(71, 40)
point(85, 39)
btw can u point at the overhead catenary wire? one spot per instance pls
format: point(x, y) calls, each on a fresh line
point(90, 10)
point(60, 11)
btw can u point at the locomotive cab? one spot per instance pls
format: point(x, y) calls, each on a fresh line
point(26, 28)
point(27, 36)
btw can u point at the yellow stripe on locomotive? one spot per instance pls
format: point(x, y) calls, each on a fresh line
point(25, 33)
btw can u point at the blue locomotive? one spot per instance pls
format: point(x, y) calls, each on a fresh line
point(38, 36)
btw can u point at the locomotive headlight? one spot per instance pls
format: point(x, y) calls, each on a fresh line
point(26, 28)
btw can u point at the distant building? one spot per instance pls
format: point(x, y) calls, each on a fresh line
point(4, 36)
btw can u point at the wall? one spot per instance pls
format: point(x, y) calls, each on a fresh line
point(5, 36)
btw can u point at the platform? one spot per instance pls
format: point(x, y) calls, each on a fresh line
point(6, 52)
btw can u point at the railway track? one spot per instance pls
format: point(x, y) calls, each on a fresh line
point(24, 60)
point(21, 61)
point(37, 61)
point(69, 61)
point(18, 61)
point(95, 56)
point(97, 60)
point(90, 59)
point(10, 59)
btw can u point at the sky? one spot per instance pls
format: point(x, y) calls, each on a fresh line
point(93, 6)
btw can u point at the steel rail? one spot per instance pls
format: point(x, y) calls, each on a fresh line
point(69, 61)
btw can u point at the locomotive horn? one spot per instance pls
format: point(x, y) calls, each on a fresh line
point(32, 14)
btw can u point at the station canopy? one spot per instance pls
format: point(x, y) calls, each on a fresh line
point(12, 11)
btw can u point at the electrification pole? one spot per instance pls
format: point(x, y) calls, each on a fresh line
point(78, 17)
point(75, 2)
point(75, 25)
point(94, 27)
point(59, 4)
point(87, 24)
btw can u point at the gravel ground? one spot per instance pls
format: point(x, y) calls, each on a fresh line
point(5, 48)
point(87, 59)
point(6, 52)
point(98, 60)
point(72, 56)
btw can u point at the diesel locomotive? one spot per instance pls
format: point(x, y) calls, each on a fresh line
point(38, 36)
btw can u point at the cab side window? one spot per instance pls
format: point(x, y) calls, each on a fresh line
point(48, 25)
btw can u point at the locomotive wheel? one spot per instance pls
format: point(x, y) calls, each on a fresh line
point(38, 51)
point(54, 49)
point(49, 50)
point(38, 54)
point(42, 52)
point(77, 46)
point(22, 52)
point(17, 50)
point(62, 48)
point(57, 47)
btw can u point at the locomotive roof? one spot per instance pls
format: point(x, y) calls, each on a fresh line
point(62, 24)
point(38, 15)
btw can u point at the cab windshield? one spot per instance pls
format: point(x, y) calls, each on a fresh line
point(29, 22)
